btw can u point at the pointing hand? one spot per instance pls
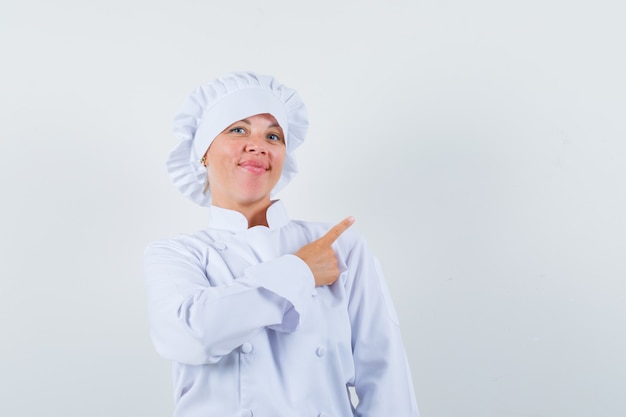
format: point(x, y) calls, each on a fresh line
point(320, 257)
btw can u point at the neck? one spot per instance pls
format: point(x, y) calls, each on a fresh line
point(258, 219)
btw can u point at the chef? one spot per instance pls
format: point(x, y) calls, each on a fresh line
point(263, 315)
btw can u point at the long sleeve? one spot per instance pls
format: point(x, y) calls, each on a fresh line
point(382, 376)
point(195, 322)
point(250, 334)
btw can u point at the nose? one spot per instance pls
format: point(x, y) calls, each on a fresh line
point(256, 144)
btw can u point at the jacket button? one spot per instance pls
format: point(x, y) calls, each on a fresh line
point(219, 245)
point(321, 351)
point(314, 292)
point(246, 413)
point(246, 348)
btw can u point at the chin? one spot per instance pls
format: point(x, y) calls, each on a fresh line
point(252, 198)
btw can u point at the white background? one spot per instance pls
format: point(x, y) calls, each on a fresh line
point(481, 146)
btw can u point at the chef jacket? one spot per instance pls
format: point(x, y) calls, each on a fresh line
point(249, 334)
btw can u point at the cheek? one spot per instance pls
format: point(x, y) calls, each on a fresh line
point(213, 169)
point(279, 160)
point(217, 158)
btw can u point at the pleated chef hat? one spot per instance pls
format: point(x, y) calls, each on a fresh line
point(213, 107)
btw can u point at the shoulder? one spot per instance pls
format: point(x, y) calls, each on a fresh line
point(349, 239)
point(310, 226)
point(183, 245)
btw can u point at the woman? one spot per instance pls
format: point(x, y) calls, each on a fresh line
point(262, 315)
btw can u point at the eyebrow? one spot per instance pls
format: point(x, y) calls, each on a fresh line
point(248, 122)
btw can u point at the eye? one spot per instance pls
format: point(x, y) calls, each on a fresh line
point(239, 130)
point(274, 137)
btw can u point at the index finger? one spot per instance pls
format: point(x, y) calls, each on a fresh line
point(337, 230)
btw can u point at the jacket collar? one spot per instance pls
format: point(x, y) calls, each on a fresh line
point(225, 219)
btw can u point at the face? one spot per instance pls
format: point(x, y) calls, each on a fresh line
point(245, 161)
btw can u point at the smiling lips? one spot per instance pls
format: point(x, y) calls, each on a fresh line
point(254, 166)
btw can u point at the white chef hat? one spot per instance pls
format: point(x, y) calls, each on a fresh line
point(213, 107)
